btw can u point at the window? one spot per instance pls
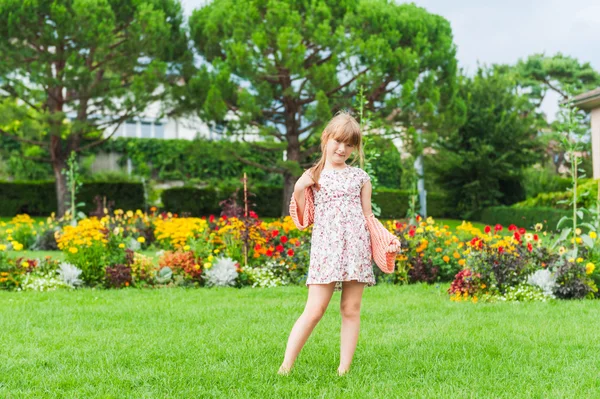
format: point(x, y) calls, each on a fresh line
point(159, 131)
point(130, 129)
point(146, 130)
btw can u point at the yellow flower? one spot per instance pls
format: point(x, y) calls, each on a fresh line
point(593, 235)
point(589, 268)
point(186, 248)
point(73, 250)
point(121, 245)
point(2, 247)
point(210, 258)
point(197, 266)
point(562, 250)
point(216, 251)
point(419, 230)
point(578, 231)
point(539, 227)
point(430, 220)
point(207, 265)
point(571, 260)
point(129, 214)
point(141, 239)
point(579, 260)
point(446, 258)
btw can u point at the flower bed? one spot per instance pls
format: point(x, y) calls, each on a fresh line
point(496, 264)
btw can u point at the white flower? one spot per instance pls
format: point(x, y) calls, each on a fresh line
point(223, 273)
point(543, 279)
point(133, 244)
point(69, 274)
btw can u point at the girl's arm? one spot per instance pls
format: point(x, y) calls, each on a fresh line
point(300, 200)
point(365, 196)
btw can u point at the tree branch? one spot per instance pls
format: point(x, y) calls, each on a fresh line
point(340, 87)
point(98, 142)
point(23, 140)
point(310, 150)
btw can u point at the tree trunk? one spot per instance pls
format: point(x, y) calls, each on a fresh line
point(61, 186)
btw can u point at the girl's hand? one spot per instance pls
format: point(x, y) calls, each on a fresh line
point(304, 181)
point(394, 246)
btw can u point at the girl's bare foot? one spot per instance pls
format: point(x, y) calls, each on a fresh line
point(284, 370)
point(342, 371)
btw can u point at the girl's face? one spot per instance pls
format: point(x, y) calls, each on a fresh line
point(338, 152)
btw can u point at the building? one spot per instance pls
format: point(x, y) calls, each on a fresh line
point(590, 102)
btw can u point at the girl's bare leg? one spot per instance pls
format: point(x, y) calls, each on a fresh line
point(350, 308)
point(319, 296)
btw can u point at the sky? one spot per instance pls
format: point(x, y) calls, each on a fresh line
point(494, 31)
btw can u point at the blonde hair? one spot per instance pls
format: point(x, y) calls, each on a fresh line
point(342, 127)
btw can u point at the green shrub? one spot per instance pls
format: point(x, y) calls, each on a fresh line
point(522, 217)
point(38, 198)
point(560, 199)
point(268, 199)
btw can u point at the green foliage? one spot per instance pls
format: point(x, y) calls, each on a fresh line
point(104, 61)
point(207, 160)
point(39, 198)
point(588, 193)
point(271, 46)
point(538, 180)
point(562, 74)
point(480, 164)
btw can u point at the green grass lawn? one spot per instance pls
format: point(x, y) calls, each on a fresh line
point(229, 343)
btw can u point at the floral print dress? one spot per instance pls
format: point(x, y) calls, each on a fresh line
point(341, 244)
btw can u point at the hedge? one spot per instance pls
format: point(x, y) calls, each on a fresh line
point(268, 199)
point(39, 198)
point(523, 217)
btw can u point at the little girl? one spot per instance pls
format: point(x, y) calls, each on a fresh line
point(341, 252)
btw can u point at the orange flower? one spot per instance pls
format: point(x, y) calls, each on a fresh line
point(446, 258)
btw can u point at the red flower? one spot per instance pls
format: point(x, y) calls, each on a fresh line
point(488, 229)
point(290, 252)
point(279, 248)
point(517, 236)
point(284, 239)
point(498, 228)
point(269, 252)
point(418, 218)
point(224, 217)
point(500, 250)
point(275, 233)
point(298, 243)
point(257, 247)
point(253, 215)
point(476, 242)
point(203, 217)
point(522, 230)
point(535, 237)
point(529, 247)
point(512, 227)
point(211, 218)
point(398, 225)
point(411, 233)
